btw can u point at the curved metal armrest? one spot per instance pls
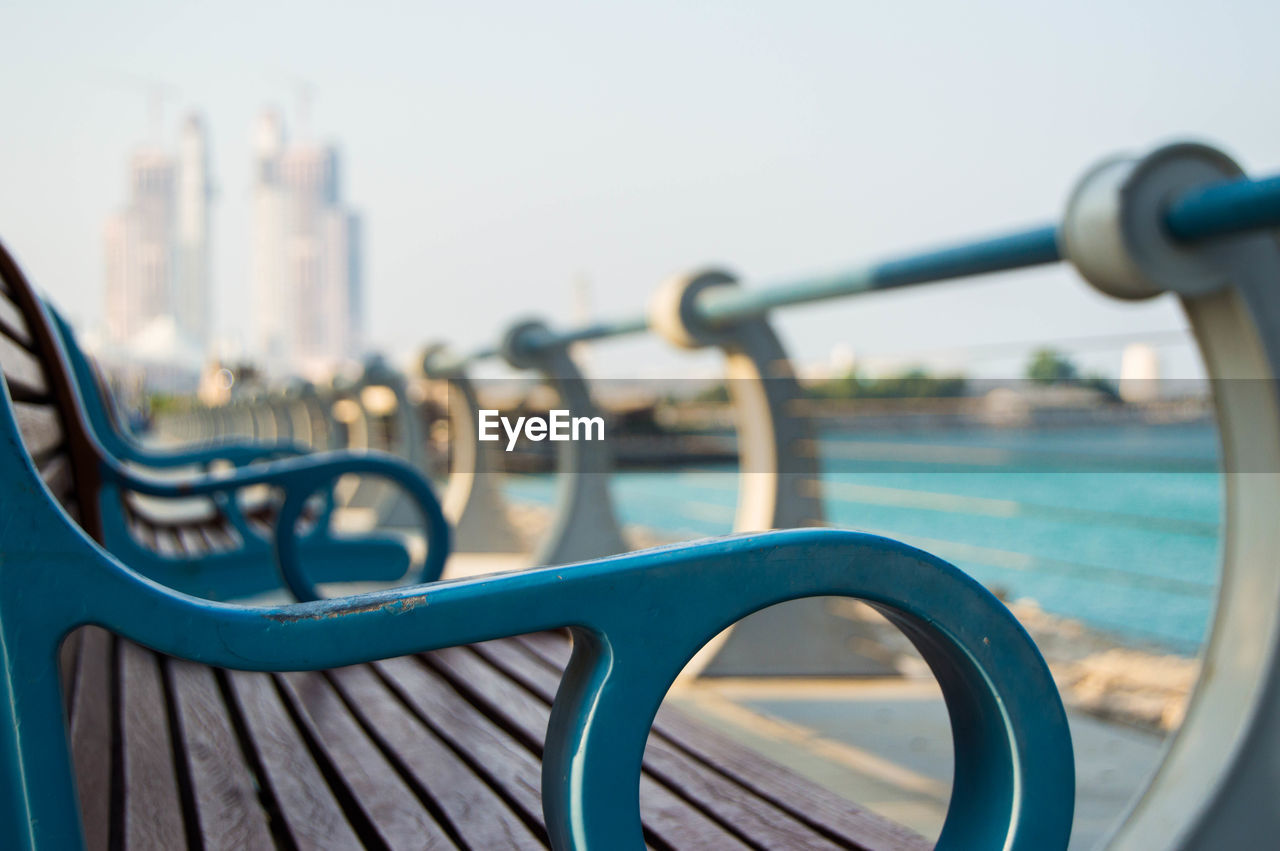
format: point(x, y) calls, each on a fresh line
point(637, 619)
point(278, 473)
point(115, 440)
point(300, 478)
point(302, 481)
point(237, 453)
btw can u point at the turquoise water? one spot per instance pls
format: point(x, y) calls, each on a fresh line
point(1114, 526)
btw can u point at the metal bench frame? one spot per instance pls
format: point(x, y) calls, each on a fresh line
point(258, 563)
point(1014, 769)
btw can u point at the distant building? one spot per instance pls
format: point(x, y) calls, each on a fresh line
point(157, 255)
point(192, 287)
point(1139, 373)
point(308, 295)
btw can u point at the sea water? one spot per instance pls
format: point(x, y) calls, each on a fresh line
point(1114, 526)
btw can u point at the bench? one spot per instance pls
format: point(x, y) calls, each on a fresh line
point(205, 535)
point(102, 417)
point(450, 714)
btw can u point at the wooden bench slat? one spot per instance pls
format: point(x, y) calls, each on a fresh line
point(13, 324)
point(506, 765)
point(22, 365)
point(20, 391)
point(143, 531)
point(58, 478)
point(818, 806)
point(68, 668)
point(224, 533)
point(193, 543)
point(166, 542)
point(153, 810)
point(215, 540)
point(227, 806)
point(673, 820)
point(199, 528)
point(474, 811)
point(173, 512)
point(41, 427)
point(13, 332)
point(313, 816)
point(392, 809)
point(93, 714)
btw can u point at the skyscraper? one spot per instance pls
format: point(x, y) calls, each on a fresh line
point(306, 261)
point(157, 248)
point(192, 305)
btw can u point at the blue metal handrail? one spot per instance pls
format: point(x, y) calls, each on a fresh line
point(1216, 210)
point(1034, 247)
point(1223, 209)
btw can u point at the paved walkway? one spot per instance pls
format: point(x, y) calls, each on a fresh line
point(886, 744)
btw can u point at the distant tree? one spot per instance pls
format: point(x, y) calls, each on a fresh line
point(912, 384)
point(1048, 366)
point(715, 393)
point(1103, 385)
point(167, 403)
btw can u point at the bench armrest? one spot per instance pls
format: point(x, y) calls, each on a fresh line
point(637, 619)
point(300, 478)
point(237, 453)
point(96, 400)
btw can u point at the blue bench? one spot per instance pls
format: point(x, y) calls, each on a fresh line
point(102, 417)
point(133, 716)
point(198, 533)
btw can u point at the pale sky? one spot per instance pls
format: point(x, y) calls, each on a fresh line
point(500, 151)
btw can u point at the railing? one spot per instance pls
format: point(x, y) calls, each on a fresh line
point(1182, 220)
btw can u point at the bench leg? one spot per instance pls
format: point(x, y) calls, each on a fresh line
point(38, 807)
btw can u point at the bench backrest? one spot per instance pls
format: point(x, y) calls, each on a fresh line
point(50, 420)
point(45, 398)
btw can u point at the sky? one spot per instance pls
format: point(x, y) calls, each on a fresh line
point(500, 152)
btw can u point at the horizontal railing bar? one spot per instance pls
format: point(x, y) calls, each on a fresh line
point(1224, 209)
point(1034, 247)
point(1217, 210)
point(601, 330)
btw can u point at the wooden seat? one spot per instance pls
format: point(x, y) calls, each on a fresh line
point(438, 750)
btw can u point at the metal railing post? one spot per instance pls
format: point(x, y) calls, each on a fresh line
point(264, 421)
point(585, 524)
point(472, 500)
point(777, 463)
point(1217, 785)
point(778, 481)
point(395, 431)
point(279, 404)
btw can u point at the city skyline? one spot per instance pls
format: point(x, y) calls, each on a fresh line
point(157, 256)
point(307, 308)
point(306, 274)
point(500, 153)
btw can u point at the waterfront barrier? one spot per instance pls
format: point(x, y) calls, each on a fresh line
point(1182, 220)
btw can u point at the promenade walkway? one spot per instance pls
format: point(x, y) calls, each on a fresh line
point(885, 744)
